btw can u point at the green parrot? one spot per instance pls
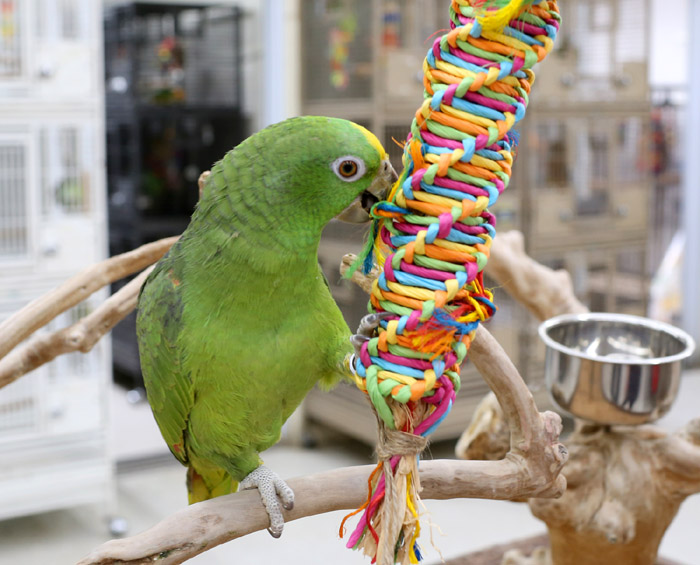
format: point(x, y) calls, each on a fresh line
point(236, 323)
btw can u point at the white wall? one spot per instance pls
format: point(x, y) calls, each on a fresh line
point(670, 33)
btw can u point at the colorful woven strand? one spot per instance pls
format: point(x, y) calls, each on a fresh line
point(433, 235)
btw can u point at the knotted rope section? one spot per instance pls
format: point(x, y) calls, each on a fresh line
point(432, 238)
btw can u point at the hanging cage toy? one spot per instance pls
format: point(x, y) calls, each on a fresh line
point(431, 239)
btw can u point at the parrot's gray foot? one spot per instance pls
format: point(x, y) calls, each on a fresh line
point(270, 486)
point(368, 325)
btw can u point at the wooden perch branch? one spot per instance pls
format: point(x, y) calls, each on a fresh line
point(204, 525)
point(81, 336)
point(40, 312)
point(626, 485)
point(543, 291)
point(680, 453)
point(531, 468)
point(84, 334)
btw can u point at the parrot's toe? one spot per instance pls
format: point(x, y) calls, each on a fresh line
point(365, 331)
point(285, 493)
point(357, 341)
point(370, 322)
point(270, 486)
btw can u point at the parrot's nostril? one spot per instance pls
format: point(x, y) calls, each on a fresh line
point(367, 200)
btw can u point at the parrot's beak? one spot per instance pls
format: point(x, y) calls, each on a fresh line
point(358, 211)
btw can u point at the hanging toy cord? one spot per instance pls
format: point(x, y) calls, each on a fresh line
point(432, 238)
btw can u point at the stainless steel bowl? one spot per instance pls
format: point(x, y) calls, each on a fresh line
point(613, 368)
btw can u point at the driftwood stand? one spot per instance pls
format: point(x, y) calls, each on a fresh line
point(625, 484)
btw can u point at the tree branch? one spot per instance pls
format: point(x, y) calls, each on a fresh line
point(204, 525)
point(531, 433)
point(543, 291)
point(81, 336)
point(41, 311)
point(534, 436)
point(680, 454)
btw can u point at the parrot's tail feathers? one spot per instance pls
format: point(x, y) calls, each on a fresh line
point(208, 485)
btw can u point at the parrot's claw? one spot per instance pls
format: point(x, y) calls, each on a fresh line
point(370, 322)
point(357, 341)
point(368, 325)
point(270, 486)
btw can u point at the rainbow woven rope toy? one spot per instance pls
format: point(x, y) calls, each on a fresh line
point(432, 239)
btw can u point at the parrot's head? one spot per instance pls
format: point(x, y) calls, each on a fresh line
point(327, 168)
point(290, 179)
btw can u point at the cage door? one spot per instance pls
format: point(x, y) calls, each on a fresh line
point(65, 48)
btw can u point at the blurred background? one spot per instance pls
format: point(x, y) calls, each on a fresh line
point(109, 111)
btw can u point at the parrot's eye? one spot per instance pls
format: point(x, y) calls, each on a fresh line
point(348, 168)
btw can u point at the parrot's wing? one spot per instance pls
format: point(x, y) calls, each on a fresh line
point(169, 387)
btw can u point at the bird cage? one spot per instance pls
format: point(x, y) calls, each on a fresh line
point(59, 399)
point(50, 204)
point(158, 53)
point(53, 420)
point(337, 49)
point(362, 61)
point(601, 54)
point(46, 49)
point(52, 224)
point(174, 106)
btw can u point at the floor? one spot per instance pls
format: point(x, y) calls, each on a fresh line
point(150, 485)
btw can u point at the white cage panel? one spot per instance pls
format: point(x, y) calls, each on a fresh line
point(64, 48)
point(62, 19)
point(607, 34)
point(49, 49)
point(20, 401)
point(37, 478)
point(53, 425)
point(14, 207)
point(593, 35)
point(65, 162)
point(630, 40)
point(70, 225)
point(49, 209)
